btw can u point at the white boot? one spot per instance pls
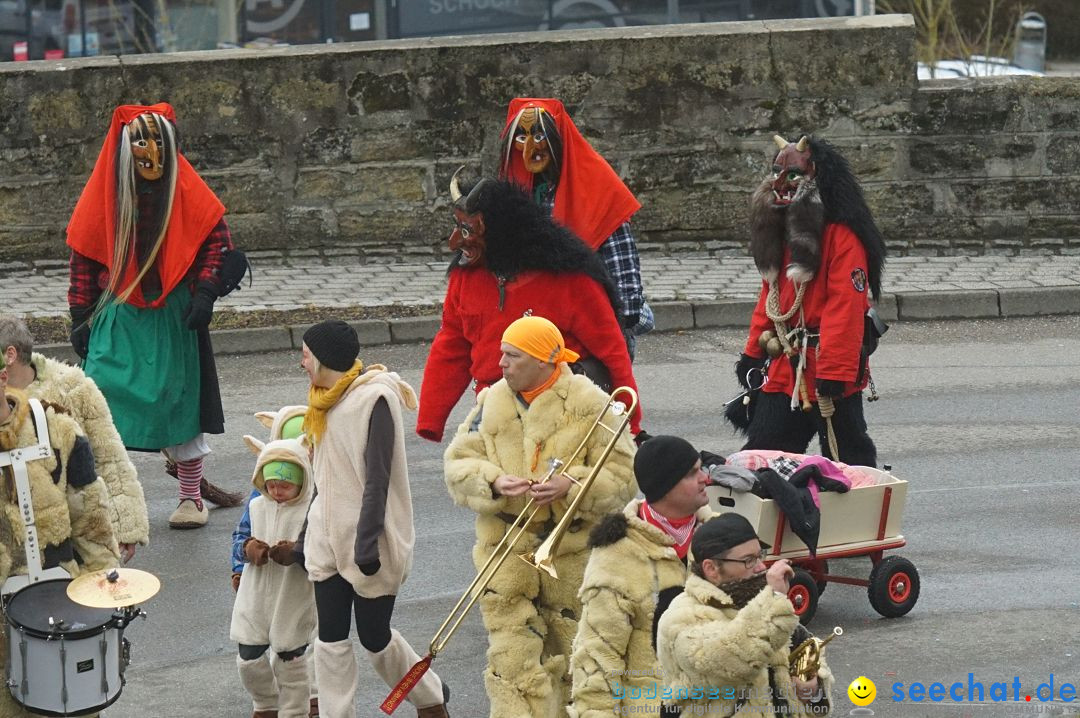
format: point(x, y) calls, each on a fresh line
point(293, 691)
point(257, 677)
point(335, 665)
point(394, 661)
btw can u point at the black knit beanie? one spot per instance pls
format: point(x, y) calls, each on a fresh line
point(721, 533)
point(334, 343)
point(660, 463)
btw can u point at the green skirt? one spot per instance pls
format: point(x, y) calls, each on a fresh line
point(146, 363)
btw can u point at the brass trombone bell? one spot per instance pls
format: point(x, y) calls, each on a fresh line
point(805, 660)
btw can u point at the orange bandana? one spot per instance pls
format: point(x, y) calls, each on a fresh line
point(540, 339)
point(531, 394)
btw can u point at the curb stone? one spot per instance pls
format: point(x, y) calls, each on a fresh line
point(672, 316)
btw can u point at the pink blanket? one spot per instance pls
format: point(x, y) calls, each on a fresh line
point(759, 459)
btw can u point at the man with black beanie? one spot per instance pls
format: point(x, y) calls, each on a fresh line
point(724, 642)
point(637, 566)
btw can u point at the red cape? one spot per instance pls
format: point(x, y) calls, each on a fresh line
point(590, 199)
point(196, 210)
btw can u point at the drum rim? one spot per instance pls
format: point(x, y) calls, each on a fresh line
point(82, 711)
point(78, 634)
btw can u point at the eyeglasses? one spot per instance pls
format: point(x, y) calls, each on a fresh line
point(749, 561)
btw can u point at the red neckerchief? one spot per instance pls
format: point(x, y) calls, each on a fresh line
point(681, 530)
point(92, 228)
point(590, 199)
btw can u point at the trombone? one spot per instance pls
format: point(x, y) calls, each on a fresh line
point(542, 557)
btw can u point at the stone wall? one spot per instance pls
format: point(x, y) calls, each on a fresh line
point(328, 147)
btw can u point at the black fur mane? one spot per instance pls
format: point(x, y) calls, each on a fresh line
point(844, 204)
point(520, 236)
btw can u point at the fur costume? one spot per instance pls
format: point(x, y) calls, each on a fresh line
point(723, 654)
point(530, 265)
point(66, 385)
point(275, 604)
point(339, 485)
point(821, 257)
point(631, 562)
point(530, 617)
point(71, 507)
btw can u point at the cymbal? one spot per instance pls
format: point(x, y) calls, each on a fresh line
point(113, 588)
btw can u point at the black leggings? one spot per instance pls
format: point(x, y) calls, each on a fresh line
point(250, 653)
point(776, 427)
point(333, 599)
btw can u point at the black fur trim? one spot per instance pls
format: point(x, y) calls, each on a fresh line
point(611, 528)
point(845, 204)
point(80, 464)
point(520, 236)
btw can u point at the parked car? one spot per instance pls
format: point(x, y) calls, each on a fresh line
point(976, 66)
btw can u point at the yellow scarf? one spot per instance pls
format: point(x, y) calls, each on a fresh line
point(321, 400)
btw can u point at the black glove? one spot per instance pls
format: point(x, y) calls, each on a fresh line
point(744, 365)
point(80, 330)
point(370, 569)
point(201, 309)
point(829, 387)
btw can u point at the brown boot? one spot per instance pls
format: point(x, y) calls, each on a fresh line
point(314, 708)
point(264, 714)
point(438, 711)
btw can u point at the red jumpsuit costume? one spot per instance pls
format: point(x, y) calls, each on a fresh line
point(467, 344)
point(834, 305)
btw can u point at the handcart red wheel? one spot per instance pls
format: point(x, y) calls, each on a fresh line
point(803, 594)
point(894, 586)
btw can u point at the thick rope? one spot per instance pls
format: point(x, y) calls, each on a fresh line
point(778, 316)
point(825, 404)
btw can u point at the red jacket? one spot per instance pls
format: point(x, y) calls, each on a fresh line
point(466, 346)
point(835, 305)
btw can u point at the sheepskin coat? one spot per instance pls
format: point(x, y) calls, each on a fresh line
point(275, 604)
point(504, 435)
point(340, 478)
point(530, 617)
point(631, 562)
point(71, 507)
point(67, 386)
point(716, 658)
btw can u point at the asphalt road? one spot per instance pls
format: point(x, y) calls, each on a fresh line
point(980, 417)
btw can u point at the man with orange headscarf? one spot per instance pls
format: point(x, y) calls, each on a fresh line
point(544, 152)
point(537, 412)
point(148, 247)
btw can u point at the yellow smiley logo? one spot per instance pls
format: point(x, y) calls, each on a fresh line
point(862, 691)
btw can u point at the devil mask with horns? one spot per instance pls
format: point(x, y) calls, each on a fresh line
point(497, 226)
point(467, 239)
point(810, 185)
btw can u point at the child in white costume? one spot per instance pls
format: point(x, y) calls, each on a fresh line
point(275, 602)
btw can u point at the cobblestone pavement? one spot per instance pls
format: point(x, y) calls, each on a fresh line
point(296, 280)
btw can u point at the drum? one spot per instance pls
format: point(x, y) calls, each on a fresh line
point(64, 659)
